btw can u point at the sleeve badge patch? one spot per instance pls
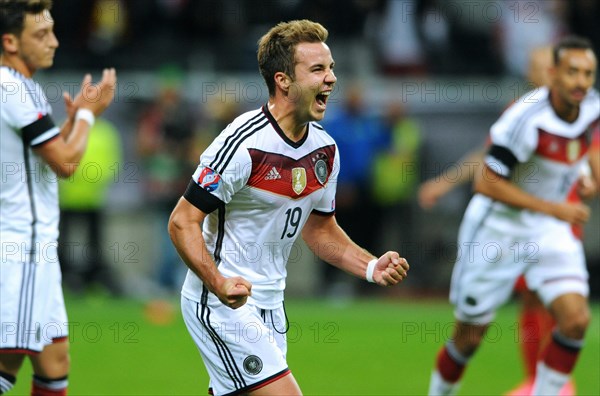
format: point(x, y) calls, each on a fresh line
point(209, 180)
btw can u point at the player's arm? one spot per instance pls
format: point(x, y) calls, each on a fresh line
point(186, 233)
point(435, 188)
point(327, 240)
point(501, 189)
point(64, 152)
point(71, 111)
point(594, 157)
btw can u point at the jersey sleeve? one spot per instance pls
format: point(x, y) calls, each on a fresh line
point(512, 141)
point(223, 170)
point(22, 114)
point(326, 206)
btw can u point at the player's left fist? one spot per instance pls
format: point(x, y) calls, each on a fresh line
point(390, 269)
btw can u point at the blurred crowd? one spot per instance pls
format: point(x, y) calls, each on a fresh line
point(164, 133)
point(404, 36)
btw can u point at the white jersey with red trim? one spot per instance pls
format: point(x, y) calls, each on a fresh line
point(259, 188)
point(540, 153)
point(29, 210)
point(32, 309)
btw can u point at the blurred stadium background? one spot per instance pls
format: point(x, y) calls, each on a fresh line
point(450, 67)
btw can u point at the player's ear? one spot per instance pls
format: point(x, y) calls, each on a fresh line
point(10, 43)
point(283, 81)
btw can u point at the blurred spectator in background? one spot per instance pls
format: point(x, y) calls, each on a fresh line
point(359, 136)
point(94, 30)
point(214, 116)
point(83, 198)
point(433, 28)
point(109, 26)
point(400, 48)
point(457, 37)
point(346, 21)
point(472, 38)
point(396, 170)
point(526, 25)
point(164, 144)
point(582, 18)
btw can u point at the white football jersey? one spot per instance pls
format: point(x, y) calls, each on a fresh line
point(540, 153)
point(259, 188)
point(29, 210)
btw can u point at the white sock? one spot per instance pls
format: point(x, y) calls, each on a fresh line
point(548, 381)
point(439, 386)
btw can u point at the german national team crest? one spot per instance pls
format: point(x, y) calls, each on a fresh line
point(321, 171)
point(573, 150)
point(298, 180)
point(253, 365)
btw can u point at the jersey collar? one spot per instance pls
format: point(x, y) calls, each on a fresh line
point(280, 132)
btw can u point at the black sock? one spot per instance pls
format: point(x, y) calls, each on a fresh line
point(7, 381)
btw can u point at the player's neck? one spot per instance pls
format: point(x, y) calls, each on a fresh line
point(563, 109)
point(17, 64)
point(285, 117)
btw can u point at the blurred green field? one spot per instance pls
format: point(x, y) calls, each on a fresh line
point(366, 347)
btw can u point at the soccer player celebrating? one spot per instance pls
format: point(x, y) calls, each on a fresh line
point(33, 153)
point(527, 221)
point(269, 177)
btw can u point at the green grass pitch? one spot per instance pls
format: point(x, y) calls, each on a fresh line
point(367, 347)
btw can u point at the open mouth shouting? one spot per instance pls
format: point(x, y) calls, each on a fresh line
point(322, 99)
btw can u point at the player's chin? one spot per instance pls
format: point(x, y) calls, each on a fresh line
point(237, 304)
point(317, 115)
point(317, 111)
point(46, 64)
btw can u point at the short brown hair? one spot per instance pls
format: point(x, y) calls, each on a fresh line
point(12, 14)
point(276, 49)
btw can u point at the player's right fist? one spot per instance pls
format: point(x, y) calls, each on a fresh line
point(234, 292)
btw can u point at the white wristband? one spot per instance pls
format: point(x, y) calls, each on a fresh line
point(370, 270)
point(86, 115)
